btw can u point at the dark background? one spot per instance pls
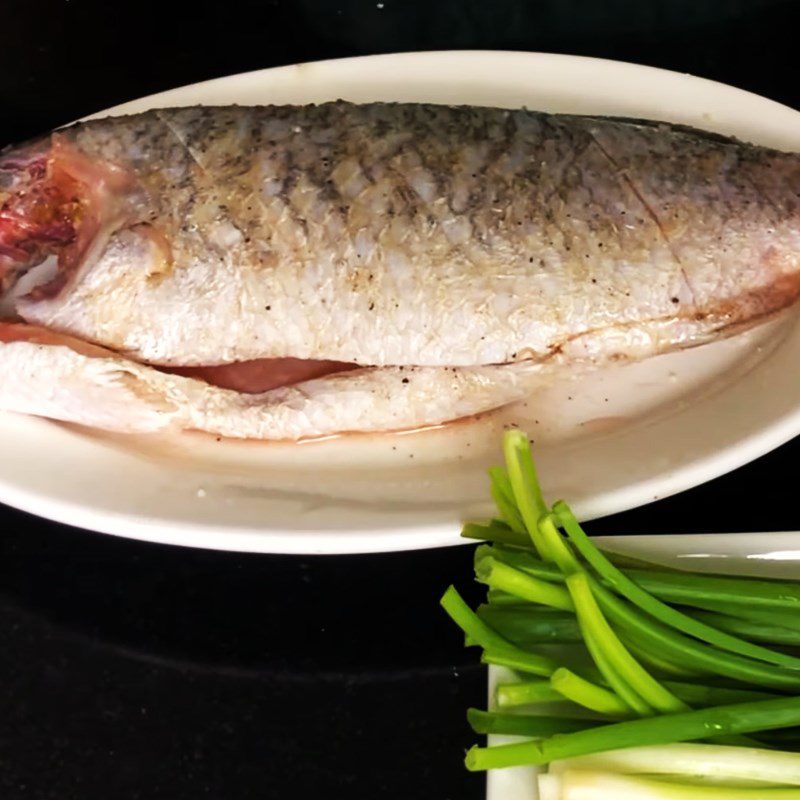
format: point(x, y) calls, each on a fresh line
point(130, 670)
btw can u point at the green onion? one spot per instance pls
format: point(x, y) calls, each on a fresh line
point(580, 785)
point(650, 634)
point(693, 693)
point(631, 671)
point(680, 587)
point(762, 631)
point(693, 759)
point(612, 677)
point(549, 787)
point(467, 620)
point(638, 623)
point(702, 695)
point(524, 484)
point(783, 712)
point(519, 661)
point(493, 533)
point(760, 616)
point(526, 561)
point(587, 694)
point(482, 551)
point(524, 724)
point(482, 634)
point(626, 671)
point(498, 598)
point(649, 604)
point(503, 497)
point(520, 694)
point(559, 550)
point(524, 628)
point(501, 576)
point(727, 595)
point(663, 666)
point(699, 695)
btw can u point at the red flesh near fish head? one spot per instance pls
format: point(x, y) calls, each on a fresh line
point(54, 200)
point(37, 213)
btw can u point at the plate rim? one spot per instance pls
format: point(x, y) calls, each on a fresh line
point(445, 55)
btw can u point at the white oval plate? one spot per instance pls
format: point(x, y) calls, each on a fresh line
point(619, 439)
point(764, 555)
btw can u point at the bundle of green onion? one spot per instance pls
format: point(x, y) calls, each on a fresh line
point(647, 660)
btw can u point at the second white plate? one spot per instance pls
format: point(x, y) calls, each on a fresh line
point(768, 555)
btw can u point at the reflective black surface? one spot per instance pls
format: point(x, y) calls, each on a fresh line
point(138, 671)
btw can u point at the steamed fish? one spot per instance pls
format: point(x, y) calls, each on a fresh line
point(284, 272)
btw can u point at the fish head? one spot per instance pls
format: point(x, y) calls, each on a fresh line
point(57, 202)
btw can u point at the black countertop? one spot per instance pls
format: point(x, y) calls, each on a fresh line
point(132, 670)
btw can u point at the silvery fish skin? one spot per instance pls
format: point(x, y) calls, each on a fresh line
point(387, 235)
point(421, 235)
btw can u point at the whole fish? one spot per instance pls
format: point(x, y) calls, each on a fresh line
point(293, 271)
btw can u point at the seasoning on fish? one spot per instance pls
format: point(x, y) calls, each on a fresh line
point(302, 255)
